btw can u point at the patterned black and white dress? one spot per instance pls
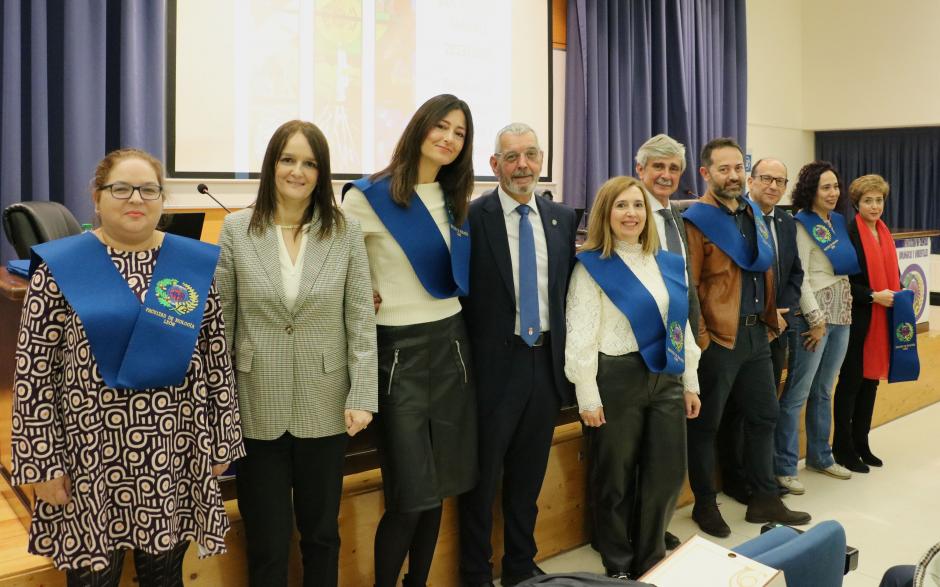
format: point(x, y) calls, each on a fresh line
point(139, 460)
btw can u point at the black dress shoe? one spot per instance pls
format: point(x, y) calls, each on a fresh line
point(769, 508)
point(709, 519)
point(672, 541)
point(622, 575)
point(870, 459)
point(856, 465)
point(508, 580)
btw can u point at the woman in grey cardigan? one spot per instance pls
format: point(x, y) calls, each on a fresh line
point(297, 298)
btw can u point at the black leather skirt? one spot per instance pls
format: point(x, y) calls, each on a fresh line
point(426, 425)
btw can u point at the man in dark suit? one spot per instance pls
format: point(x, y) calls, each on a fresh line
point(522, 253)
point(766, 185)
point(660, 162)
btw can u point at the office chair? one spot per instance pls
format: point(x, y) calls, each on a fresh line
point(32, 223)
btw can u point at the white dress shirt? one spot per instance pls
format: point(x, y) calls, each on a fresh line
point(511, 216)
point(655, 207)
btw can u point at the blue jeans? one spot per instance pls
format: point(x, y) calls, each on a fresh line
point(811, 374)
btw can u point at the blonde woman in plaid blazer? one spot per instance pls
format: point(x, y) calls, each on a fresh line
point(294, 281)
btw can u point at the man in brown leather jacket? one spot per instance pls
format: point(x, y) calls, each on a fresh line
point(730, 258)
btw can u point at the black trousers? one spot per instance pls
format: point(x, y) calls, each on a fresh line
point(286, 480)
point(638, 462)
point(514, 442)
point(743, 375)
point(153, 570)
point(854, 403)
point(731, 430)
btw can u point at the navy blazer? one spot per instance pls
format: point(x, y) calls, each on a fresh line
point(791, 270)
point(490, 308)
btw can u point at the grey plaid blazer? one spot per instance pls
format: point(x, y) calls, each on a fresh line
point(298, 371)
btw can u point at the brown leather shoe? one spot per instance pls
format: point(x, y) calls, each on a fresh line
point(770, 508)
point(709, 519)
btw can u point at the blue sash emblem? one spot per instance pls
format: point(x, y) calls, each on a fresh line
point(136, 346)
point(443, 273)
point(660, 346)
point(834, 243)
point(905, 364)
point(720, 228)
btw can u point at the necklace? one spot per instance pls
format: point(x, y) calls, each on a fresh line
point(287, 225)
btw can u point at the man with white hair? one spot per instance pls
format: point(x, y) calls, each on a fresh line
point(521, 256)
point(660, 163)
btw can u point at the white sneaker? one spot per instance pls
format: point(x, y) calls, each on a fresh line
point(792, 484)
point(834, 470)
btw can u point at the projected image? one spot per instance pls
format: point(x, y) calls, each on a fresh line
point(357, 69)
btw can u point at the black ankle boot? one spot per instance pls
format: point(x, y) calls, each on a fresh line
point(852, 463)
point(870, 459)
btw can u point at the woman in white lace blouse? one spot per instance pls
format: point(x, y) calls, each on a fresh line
point(633, 359)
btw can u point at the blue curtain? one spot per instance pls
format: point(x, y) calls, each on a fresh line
point(906, 157)
point(635, 69)
point(79, 78)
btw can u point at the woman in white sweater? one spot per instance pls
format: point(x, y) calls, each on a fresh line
point(633, 359)
point(413, 215)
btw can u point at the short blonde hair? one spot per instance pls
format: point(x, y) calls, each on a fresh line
point(600, 236)
point(868, 183)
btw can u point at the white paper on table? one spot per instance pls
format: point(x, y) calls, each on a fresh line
point(703, 563)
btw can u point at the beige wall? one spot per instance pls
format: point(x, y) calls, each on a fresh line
point(775, 111)
point(870, 63)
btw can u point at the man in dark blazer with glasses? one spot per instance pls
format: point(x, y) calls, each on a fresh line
point(522, 253)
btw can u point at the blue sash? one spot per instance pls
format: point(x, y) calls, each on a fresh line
point(443, 273)
point(136, 346)
point(837, 247)
point(905, 365)
point(660, 348)
point(721, 229)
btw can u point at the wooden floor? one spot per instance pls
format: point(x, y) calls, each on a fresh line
point(561, 524)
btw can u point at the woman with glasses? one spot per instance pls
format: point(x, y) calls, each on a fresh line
point(413, 215)
point(632, 357)
point(297, 299)
point(124, 401)
point(867, 358)
point(820, 328)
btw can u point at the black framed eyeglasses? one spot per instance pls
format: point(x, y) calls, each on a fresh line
point(767, 179)
point(123, 191)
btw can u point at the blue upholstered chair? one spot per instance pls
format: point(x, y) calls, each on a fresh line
point(815, 558)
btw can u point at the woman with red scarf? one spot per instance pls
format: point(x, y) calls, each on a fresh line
point(867, 358)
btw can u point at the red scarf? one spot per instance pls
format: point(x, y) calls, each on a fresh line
point(881, 259)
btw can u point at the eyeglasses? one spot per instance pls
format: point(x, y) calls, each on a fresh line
point(512, 156)
point(767, 179)
point(123, 191)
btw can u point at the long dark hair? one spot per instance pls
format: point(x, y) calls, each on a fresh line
point(804, 192)
point(456, 179)
point(321, 200)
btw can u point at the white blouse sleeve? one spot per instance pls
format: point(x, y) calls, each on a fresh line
point(692, 355)
point(583, 320)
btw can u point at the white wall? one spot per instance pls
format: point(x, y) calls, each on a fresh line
point(775, 112)
point(870, 63)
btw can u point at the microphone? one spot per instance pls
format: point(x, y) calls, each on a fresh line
point(204, 189)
